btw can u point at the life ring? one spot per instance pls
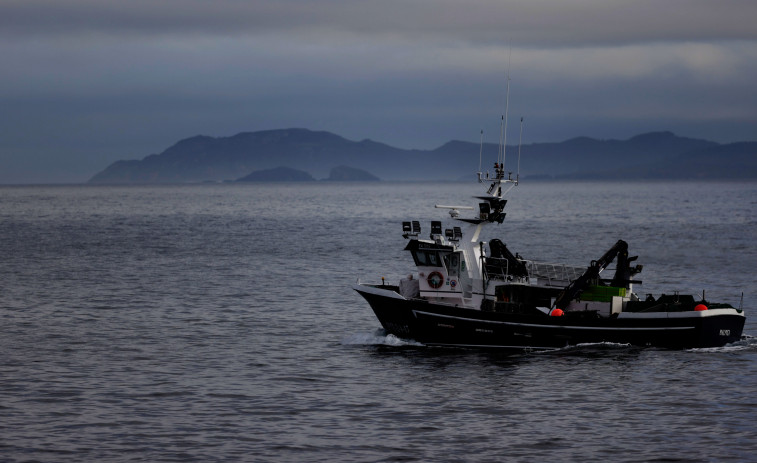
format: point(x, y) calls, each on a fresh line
point(435, 280)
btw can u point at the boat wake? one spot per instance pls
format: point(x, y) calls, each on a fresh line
point(378, 338)
point(590, 347)
point(747, 343)
point(381, 338)
point(599, 345)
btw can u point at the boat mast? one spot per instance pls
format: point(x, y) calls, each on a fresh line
point(500, 151)
point(507, 107)
point(520, 142)
point(480, 151)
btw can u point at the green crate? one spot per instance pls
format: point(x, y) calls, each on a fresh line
point(602, 293)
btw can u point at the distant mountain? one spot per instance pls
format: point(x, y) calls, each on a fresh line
point(731, 162)
point(204, 158)
point(350, 174)
point(278, 174)
point(734, 161)
point(651, 155)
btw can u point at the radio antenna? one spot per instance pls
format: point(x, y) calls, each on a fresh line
point(520, 142)
point(480, 150)
point(501, 134)
point(507, 106)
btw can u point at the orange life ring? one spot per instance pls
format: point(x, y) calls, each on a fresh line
point(435, 280)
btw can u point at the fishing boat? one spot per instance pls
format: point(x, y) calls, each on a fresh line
point(471, 293)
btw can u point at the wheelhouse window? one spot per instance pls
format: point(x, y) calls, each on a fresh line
point(452, 262)
point(426, 258)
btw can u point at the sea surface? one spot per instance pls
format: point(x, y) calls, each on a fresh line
point(217, 323)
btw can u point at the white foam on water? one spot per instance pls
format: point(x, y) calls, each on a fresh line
point(747, 343)
point(588, 345)
point(377, 338)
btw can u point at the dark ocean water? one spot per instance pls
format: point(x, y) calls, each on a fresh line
point(217, 323)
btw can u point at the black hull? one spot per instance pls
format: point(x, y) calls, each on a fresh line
point(437, 324)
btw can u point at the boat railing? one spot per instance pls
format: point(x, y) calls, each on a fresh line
point(548, 273)
point(496, 268)
point(553, 274)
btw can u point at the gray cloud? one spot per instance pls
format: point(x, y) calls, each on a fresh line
point(533, 23)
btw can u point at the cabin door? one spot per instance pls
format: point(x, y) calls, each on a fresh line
point(461, 273)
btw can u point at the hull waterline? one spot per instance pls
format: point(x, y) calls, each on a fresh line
point(444, 325)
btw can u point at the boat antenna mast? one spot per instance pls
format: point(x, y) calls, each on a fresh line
point(500, 176)
point(520, 142)
point(480, 151)
point(507, 107)
point(499, 167)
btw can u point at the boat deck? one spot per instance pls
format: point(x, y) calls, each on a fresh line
point(547, 274)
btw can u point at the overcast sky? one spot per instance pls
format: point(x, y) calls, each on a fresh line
point(88, 82)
